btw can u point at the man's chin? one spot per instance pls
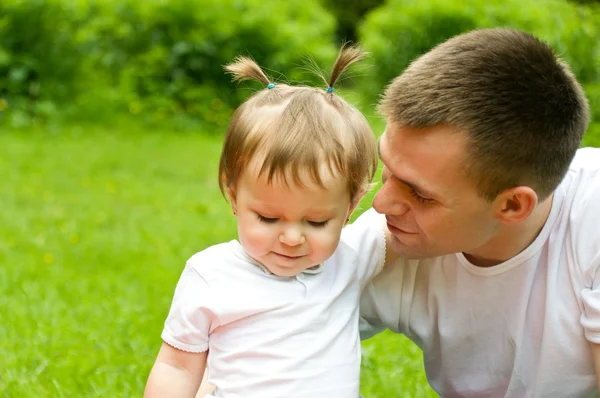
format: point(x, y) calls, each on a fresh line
point(410, 252)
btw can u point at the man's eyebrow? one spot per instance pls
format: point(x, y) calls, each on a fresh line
point(414, 187)
point(417, 189)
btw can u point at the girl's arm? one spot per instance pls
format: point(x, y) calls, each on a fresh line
point(596, 356)
point(205, 387)
point(175, 373)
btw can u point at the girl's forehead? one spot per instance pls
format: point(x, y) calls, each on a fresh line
point(292, 200)
point(296, 177)
point(285, 186)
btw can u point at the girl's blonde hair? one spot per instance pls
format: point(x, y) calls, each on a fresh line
point(296, 129)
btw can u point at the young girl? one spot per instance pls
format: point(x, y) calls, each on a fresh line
point(278, 309)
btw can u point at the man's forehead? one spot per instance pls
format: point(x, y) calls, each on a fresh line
point(428, 158)
point(401, 171)
point(440, 141)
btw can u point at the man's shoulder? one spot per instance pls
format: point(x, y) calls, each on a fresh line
point(582, 208)
point(581, 185)
point(586, 159)
point(584, 180)
point(364, 236)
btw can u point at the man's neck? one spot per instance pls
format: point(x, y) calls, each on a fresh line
point(512, 240)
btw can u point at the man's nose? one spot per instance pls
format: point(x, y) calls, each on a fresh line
point(390, 199)
point(292, 236)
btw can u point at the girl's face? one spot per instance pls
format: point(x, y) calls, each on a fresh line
point(288, 228)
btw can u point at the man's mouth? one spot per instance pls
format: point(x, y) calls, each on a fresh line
point(395, 230)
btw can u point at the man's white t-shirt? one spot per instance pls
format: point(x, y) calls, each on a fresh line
point(271, 336)
point(518, 329)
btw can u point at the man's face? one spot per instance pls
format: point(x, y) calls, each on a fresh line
point(431, 206)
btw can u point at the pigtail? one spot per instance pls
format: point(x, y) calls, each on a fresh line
point(348, 54)
point(245, 68)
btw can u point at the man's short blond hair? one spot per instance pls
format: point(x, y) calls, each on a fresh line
point(523, 110)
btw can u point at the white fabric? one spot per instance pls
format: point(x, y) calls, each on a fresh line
point(518, 329)
point(271, 336)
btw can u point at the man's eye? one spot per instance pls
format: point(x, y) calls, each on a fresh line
point(267, 220)
point(420, 199)
point(318, 224)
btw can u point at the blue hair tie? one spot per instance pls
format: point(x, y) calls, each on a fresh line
point(330, 89)
point(270, 85)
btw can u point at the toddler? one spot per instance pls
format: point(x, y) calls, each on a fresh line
point(277, 309)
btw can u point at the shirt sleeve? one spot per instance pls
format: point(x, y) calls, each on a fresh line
point(585, 243)
point(192, 316)
point(366, 236)
point(384, 298)
point(590, 297)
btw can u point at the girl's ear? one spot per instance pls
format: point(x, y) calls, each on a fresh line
point(359, 195)
point(232, 199)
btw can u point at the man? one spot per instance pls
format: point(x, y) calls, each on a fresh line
point(497, 217)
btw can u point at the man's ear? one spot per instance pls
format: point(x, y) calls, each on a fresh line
point(515, 205)
point(232, 199)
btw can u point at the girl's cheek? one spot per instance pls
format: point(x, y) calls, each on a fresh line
point(329, 238)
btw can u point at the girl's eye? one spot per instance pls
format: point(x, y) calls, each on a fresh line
point(420, 199)
point(267, 220)
point(318, 224)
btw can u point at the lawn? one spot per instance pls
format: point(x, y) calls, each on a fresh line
point(95, 227)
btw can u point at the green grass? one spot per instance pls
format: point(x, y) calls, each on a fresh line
point(95, 227)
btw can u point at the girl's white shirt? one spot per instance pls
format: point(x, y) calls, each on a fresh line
point(271, 336)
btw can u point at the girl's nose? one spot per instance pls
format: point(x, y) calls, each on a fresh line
point(292, 236)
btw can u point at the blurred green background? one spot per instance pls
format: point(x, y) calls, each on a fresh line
point(111, 120)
